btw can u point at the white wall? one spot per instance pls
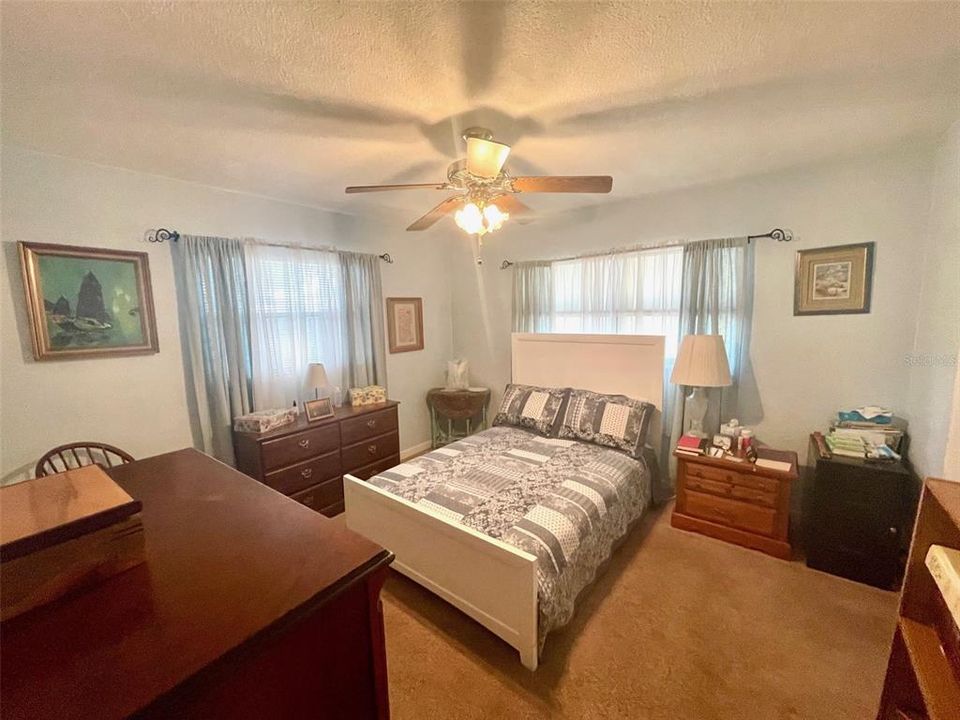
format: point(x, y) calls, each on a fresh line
point(806, 367)
point(933, 356)
point(138, 403)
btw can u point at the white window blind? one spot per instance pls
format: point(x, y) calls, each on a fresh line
point(297, 317)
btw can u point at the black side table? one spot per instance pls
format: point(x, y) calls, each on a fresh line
point(859, 517)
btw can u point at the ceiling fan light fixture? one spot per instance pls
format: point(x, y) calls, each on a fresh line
point(485, 158)
point(480, 219)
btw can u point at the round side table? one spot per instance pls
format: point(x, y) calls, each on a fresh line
point(454, 414)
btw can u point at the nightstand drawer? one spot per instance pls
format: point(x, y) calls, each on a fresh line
point(729, 512)
point(714, 487)
point(752, 495)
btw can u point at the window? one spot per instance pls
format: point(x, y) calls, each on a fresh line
point(297, 317)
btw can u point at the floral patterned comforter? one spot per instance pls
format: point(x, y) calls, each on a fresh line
point(564, 501)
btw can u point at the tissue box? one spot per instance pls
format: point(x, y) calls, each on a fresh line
point(264, 420)
point(369, 395)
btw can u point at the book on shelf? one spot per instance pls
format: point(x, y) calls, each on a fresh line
point(944, 566)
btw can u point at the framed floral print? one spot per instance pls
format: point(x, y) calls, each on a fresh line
point(87, 302)
point(405, 324)
point(834, 280)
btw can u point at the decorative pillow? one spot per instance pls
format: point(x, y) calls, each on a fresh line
point(612, 420)
point(534, 408)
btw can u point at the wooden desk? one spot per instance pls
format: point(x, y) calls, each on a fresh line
point(738, 502)
point(249, 605)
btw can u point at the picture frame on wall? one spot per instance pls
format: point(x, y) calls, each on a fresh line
point(87, 302)
point(405, 324)
point(318, 409)
point(835, 280)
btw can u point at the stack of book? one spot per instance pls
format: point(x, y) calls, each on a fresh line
point(846, 443)
point(691, 445)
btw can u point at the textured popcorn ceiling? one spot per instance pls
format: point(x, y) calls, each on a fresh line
point(296, 100)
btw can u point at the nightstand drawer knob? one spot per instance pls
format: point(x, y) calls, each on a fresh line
point(372, 449)
point(304, 443)
point(306, 472)
point(371, 424)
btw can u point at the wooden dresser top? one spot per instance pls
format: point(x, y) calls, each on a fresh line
point(748, 468)
point(341, 413)
point(227, 559)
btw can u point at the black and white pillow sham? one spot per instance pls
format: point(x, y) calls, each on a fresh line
point(611, 420)
point(531, 407)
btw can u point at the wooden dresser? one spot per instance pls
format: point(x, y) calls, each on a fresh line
point(737, 501)
point(307, 461)
point(248, 606)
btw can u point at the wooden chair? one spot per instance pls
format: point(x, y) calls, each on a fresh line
point(79, 454)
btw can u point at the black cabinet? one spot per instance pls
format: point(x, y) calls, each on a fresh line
point(859, 516)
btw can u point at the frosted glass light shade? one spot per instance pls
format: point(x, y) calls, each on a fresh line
point(316, 376)
point(701, 362)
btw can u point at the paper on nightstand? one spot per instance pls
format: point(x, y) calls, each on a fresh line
point(774, 465)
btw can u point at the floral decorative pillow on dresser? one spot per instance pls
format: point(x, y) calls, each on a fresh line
point(531, 407)
point(611, 420)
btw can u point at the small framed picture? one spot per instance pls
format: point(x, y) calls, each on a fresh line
point(834, 280)
point(405, 324)
point(318, 409)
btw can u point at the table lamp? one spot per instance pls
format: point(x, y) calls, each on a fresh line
point(701, 364)
point(317, 379)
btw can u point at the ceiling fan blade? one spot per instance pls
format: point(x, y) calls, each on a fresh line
point(564, 184)
point(485, 158)
point(444, 208)
point(509, 204)
point(382, 188)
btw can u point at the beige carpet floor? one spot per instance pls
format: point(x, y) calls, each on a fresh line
point(678, 626)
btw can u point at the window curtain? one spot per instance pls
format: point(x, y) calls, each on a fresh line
point(717, 299)
point(532, 296)
point(366, 359)
point(214, 329)
point(297, 317)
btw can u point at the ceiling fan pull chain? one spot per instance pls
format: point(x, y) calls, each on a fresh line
point(478, 249)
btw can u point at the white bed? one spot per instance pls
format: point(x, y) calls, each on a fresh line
point(491, 581)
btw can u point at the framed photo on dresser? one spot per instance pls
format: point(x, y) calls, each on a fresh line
point(318, 409)
point(834, 280)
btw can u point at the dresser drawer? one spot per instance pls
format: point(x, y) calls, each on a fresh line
point(729, 512)
point(731, 476)
point(302, 475)
point(322, 495)
point(368, 425)
point(368, 471)
point(369, 451)
point(301, 446)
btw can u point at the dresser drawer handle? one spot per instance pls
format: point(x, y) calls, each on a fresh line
point(371, 424)
point(372, 449)
point(306, 472)
point(304, 443)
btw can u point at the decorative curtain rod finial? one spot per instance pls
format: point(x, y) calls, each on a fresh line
point(505, 264)
point(386, 258)
point(160, 235)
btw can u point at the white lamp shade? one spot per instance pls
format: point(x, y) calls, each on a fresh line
point(316, 376)
point(701, 362)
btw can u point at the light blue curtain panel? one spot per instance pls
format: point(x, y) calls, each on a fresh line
point(366, 359)
point(215, 335)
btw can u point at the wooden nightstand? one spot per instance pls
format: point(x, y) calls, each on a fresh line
point(736, 501)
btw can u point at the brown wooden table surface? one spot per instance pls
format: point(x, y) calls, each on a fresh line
point(227, 559)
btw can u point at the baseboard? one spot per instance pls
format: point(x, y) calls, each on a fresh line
point(415, 450)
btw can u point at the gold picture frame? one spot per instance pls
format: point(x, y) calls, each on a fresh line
point(87, 302)
point(318, 409)
point(405, 324)
point(835, 280)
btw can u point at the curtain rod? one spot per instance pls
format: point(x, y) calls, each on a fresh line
point(162, 234)
point(775, 234)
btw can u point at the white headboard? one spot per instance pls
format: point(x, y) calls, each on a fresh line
point(630, 365)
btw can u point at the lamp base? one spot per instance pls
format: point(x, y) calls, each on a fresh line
point(695, 411)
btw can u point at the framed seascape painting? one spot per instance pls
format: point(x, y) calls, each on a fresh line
point(833, 280)
point(405, 324)
point(87, 302)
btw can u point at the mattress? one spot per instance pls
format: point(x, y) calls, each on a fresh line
point(564, 501)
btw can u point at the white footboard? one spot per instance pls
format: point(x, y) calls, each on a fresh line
point(492, 582)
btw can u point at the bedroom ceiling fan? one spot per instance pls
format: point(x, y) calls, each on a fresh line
point(485, 192)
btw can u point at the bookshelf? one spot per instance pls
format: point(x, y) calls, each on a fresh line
point(923, 673)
